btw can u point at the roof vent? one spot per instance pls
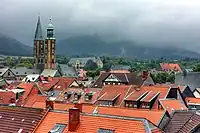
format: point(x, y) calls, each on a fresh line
point(33, 121)
point(13, 119)
point(0, 117)
point(172, 109)
point(22, 120)
point(182, 108)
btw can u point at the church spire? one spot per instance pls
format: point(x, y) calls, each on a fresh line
point(38, 32)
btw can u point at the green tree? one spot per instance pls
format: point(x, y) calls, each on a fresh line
point(90, 65)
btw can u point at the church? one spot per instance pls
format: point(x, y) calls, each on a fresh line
point(44, 47)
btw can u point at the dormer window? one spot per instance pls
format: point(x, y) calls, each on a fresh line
point(77, 96)
point(67, 95)
point(88, 96)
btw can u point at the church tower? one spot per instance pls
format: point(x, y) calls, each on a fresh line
point(39, 57)
point(50, 62)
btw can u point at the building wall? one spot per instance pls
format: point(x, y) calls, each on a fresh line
point(50, 59)
point(39, 57)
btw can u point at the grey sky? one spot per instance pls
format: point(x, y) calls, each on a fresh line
point(150, 21)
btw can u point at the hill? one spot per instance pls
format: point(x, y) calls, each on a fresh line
point(11, 46)
point(95, 46)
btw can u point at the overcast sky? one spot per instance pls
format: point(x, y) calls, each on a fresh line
point(151, 21)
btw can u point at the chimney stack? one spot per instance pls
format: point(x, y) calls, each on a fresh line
point(49, 104)
point(79, 106)
point(74, 119)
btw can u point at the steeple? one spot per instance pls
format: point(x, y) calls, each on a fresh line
point(50, 30)
point(38, 32)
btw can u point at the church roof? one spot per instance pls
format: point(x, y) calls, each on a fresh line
point(38, 32)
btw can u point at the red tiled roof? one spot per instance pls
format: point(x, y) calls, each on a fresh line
point(172, 105)
point(12, 119)
point(192, 100)
point(6, 96)
point(152, 115)
point(46, 86)
point(91, 124)
point(63, 82)
point(135, 95)
point(95, 93)
point(170, 67)
point(27, 87)
point(31, 100)
point(150, 96)
point(113, 90)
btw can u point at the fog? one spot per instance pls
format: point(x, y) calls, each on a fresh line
point(152, 22)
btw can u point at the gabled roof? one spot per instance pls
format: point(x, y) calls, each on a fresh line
point(3, 70)
point(130, 78)
point(82, 60)
point(46, 86)
point(91, 123)
point(63, 82)
point(192, 79)
point(111, 91)
point(31, 77)
point(183, 122)
point(49, 72)
point(68, 71)
point(170, 67)
point(120, 67)
point(23, 71)
point(172, 105)
point(15, 119)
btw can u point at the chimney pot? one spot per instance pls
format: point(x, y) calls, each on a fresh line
point(49, 104)
point(79, 106)
point(74, 119)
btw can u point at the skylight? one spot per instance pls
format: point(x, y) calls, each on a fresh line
point(102, 130)
point(58, 128)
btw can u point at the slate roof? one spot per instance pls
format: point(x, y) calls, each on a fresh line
point(38, 31)
point(49, 72)
point(192, 79)
point(91, 123)
point(120, 67)
point(3, 70)
point(82, 60)
point(23, 71)
point(182, 122)
point(130, 78)
point(14, 119)
point(68, 71)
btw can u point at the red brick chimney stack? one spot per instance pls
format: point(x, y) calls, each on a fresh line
point(74, 119)
point(49, 104)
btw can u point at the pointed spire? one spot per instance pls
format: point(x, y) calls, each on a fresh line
point(38, 32)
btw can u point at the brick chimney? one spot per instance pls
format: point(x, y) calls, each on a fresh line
point(49, 104)
point(79, 106)
point(74, 119)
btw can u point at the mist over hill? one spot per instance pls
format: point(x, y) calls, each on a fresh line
point(94, 45)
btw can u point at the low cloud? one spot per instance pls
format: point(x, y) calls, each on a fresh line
point(146, 21)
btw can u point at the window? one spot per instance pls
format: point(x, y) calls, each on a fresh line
point(8, 73)
point(58, 128)
point(102, 130)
